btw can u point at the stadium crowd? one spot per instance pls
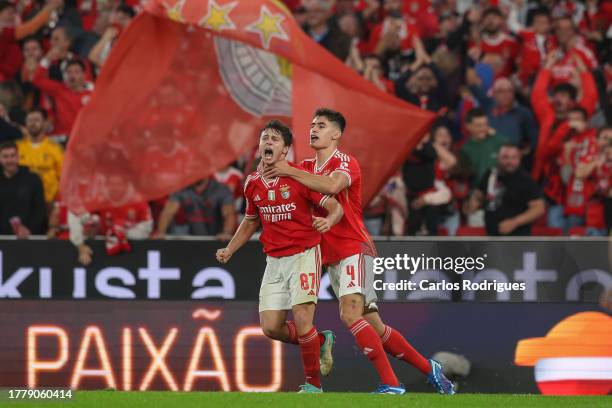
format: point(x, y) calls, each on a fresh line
point(522, 143)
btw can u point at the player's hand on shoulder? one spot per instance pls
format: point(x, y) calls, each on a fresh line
point(223, 255)
point(321, 224)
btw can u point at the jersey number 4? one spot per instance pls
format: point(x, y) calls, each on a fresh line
point(350, 270)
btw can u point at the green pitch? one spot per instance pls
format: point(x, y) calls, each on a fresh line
point(151, 399)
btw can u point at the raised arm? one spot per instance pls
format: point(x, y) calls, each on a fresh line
point(38, 21)
point(41, 80)
point(95, 55)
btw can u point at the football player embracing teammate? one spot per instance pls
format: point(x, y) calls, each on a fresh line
point(348, 253)
point(290, 236)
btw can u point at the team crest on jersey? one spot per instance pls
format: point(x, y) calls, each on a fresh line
point(284, 189)
point(271, 195)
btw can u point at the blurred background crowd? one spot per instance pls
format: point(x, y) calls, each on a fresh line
point(522, 144)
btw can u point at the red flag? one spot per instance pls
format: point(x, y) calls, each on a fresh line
point(190, 83)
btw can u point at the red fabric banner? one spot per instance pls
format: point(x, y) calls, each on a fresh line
point(187, 87)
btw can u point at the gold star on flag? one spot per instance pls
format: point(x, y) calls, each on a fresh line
point(175, 13)
point(268, 27)
point(217, 17)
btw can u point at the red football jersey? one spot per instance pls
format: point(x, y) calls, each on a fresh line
point(562, 70)
point(232, 178)
point(125, 216)
point(285, 208)
point(349, 236)
point(503, 45)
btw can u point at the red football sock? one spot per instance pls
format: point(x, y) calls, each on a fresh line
point(372, 347)
point(396, 345)
point(310, 349)
point(293, 337)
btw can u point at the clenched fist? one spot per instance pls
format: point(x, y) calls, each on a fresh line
point(223, 255)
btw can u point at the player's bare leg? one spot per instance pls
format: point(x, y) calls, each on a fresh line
point(351, 314)
point(310, 346)
point(396, 345)
point(300, 331)
point(274, 325)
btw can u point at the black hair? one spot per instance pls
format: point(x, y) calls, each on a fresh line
point(578, 108)
point(492, 11)
point(475, 113)
point(125, 9)
point(9, 144)
point(76, 62)
point(540, 12)
point(281, 128)
point(333, 116)
point(39, 110)
point(567, 88)
point(31, 38)
point(603, 129)
point(66, 32)
point(4, 4)
point(566, 17)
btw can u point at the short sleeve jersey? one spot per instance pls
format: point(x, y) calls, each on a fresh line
point(349, 236)
point(285, 208)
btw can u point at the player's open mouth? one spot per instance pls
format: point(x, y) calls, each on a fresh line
point(314, 138)
point(268, 153)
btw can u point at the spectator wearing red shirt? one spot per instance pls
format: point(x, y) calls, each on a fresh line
point(60, 55)
point(68, 96)
point(494, 45)
point(598, 169)
point(32, 55)
point(58, 221)
point(11, 33)
point(594, 21)
point(119, 223)
point(536, 43)
point(568, 44)
point(575, 145)
point(552, 113)
point(234, 180)
point(396, 36)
